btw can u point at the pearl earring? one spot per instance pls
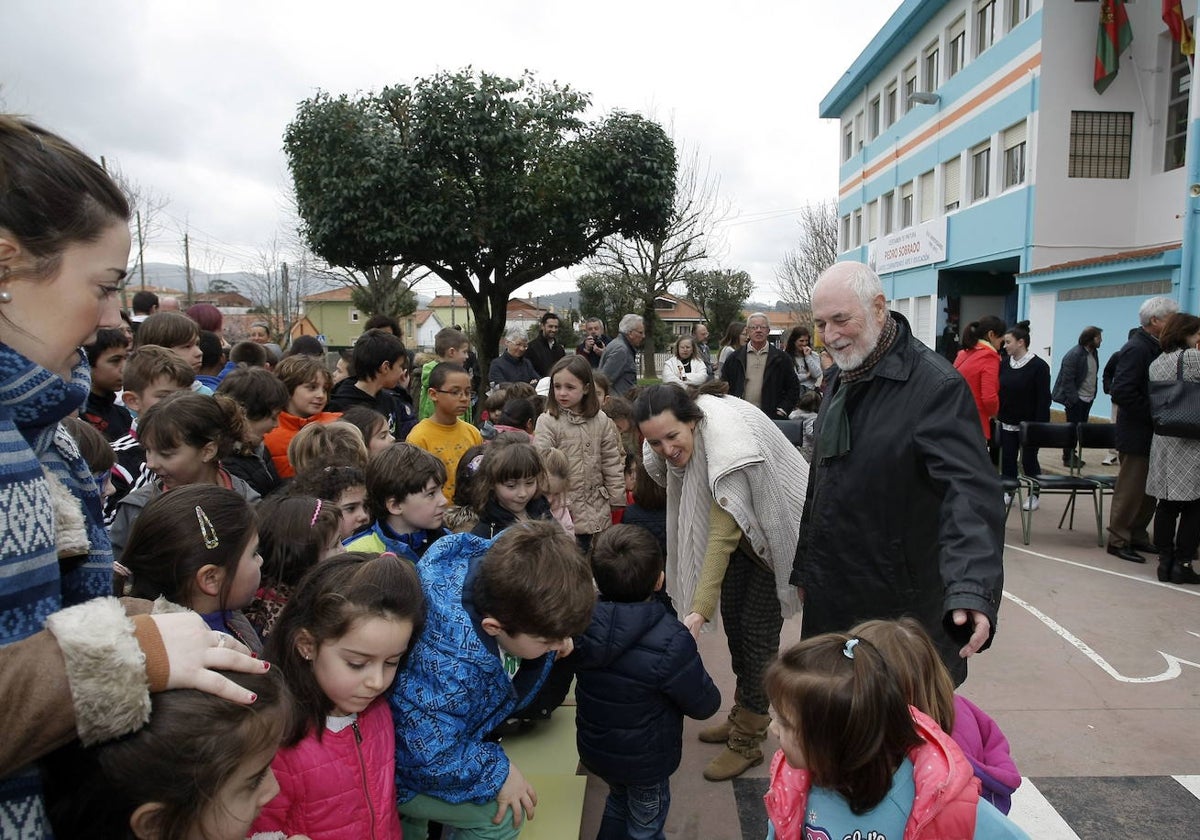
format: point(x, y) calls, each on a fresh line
point(5, 296)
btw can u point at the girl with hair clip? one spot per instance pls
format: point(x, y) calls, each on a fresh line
point(295, 533)
point(197, 547)
point(345, 487)
point(185, 437)
point(507, 487)
point(856, 760)
point(137, 788)
point(979, 363)
point(926, 684)
point(339, 643)
point(574, 423)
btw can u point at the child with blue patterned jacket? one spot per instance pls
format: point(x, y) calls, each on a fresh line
point(498, 614)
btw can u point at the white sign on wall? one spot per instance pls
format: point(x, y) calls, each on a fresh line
point(923, 244)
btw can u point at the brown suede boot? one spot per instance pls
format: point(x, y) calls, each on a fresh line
point(718, 733)
point(743, 750)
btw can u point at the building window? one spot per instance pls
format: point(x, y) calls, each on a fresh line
point(910, 85)
point(889, 105)
point(1177, 108)
point(857, 239)
point(845, 237)
point(353, 316)
point(1018, 11)
point(951, 187)
point(928, 196)
point(1101, 143)
point(906, 205)
point(872, 221)
point(933, 67)
point(985, 25)
point(981, 159)
point(887, 212)
point(956, 47)
point(873, 119)
point(848, 142)
point(1014, 155)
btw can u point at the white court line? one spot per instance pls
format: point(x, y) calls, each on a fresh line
point(1174, 587)
point(1192, 783)
point(1036, 816)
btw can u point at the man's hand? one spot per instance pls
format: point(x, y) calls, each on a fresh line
point(983, 629)
point(517, 794)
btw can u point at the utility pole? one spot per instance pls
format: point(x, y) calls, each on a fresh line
point(287, 300)
point(141, 251)
point(187, 268)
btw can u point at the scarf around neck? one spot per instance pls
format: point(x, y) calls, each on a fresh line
point(834, 439)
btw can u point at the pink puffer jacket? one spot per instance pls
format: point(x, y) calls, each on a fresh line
point(341, 786)
point(944, 806)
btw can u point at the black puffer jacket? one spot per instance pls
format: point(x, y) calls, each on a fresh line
point(638, 673)
point(494, 518)
point(911, 520)
point(1131, 392)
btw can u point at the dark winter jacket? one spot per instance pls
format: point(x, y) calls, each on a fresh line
point(105, 416)
point(1131, 392)
point(1024, 391)
point(638, 673)
point(506, 368)
point(542, 356)
point(780, 387)
point(399, 413)
point(1072, 372)
point(910, 521)
point(255, 468)
point(494, 518)
point(619, 363)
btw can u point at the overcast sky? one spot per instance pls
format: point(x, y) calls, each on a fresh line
point(191, 99)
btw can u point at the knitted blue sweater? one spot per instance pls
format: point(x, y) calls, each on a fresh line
point(33, 586)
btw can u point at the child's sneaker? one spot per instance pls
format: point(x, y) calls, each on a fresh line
point(1031, 503)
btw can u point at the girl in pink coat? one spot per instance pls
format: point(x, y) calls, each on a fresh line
point(339, 642)
point(856, 760)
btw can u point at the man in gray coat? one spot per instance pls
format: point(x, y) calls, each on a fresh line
point(619, 362)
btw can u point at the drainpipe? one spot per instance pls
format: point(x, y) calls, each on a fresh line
point(1189, 269)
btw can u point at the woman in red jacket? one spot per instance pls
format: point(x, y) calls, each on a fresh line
point(979, 363)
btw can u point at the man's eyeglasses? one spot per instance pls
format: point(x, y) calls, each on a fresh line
point(457, 393)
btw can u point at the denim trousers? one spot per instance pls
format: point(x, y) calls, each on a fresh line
point(635, 812)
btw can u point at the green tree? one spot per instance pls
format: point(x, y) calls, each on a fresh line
point(488, 182)
point(607, 296)
point(720, 295)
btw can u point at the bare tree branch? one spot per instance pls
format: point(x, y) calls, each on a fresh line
point(815, 252)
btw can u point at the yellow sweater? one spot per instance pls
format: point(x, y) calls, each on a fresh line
point(448, 443)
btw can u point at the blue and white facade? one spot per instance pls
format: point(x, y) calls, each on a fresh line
point(982, 174)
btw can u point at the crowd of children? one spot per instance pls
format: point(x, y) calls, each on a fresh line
point(424, 585)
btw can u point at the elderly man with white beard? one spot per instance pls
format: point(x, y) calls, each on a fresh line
point(904, 513)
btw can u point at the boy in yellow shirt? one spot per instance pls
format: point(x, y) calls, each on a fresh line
point(445, 434)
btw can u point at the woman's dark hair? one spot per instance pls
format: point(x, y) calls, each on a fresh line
point(94, 791)
point(1176, 332)
point(795, 335)
point(52, 195)
point(331, 597)
point(294, 532)
point(733, 334)
point(1020, 331)
point(1089, 335)
point(977, 331)
point(655, 399)
point(578, 367)
point(383, 322)
point(181, 532)
point(847, 713)
point(186, 417)
point(206, 316)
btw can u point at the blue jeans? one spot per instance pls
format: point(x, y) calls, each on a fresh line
point(635, 812)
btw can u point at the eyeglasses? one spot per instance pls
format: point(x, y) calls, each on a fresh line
point(457, 393)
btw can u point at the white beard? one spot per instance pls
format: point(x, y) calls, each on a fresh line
point(852, 357)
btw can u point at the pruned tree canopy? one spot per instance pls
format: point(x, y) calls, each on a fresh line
point(720, 295)
point(488, 182)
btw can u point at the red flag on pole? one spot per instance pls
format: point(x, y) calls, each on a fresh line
point(1172, 15)
point(1114, 38)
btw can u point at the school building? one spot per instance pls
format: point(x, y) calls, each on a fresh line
point(982, 173)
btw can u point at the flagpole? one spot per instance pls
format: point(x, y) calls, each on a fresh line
point(1189, 270)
